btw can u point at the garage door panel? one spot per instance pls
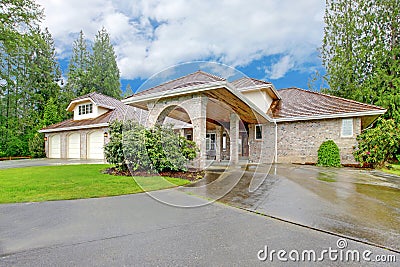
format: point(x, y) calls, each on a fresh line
point(74, 145)
point(54, 149)
point(96, 145)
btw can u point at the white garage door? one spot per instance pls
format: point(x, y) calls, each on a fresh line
point(54, 149)
point(95, 145)
point(74, 146)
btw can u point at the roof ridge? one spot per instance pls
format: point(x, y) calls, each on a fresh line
point(210, 75)
point(332, 96)
point(180, 78)
point(254, 79)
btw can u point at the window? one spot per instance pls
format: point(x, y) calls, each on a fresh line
point(189, 137)
point(85, 109)
point(258, 132)
point(224, 142)
point(347, 128)
point(210, 141)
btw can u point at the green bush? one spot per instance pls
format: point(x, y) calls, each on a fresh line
point(36, 146)
point(378, 145)
point(113, 150)
point(154, 150)
point(328, 154)
point(16, 147)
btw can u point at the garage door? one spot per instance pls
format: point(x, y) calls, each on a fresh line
point(74, 146)
point(54, 149)
point(95, 145)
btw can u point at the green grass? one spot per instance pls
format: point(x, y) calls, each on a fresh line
point(34, 184)
point(394, 169)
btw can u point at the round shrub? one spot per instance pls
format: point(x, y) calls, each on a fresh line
point(328, 154)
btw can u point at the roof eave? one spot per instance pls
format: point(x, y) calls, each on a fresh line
point(98, 125)
point(332, 116)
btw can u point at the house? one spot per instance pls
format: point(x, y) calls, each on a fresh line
point(250, 119)
point(243, 119)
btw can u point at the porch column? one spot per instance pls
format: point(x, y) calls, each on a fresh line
point(234, 136)
point(218, 143)
point(198, 115)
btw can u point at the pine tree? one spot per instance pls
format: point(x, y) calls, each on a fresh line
point(361, 52)
point(128, 91)
point(104, 72)
point(78, 76)
point(29, 74)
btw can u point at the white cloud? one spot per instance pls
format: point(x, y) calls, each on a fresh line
point(150, 35)
point(280, 68)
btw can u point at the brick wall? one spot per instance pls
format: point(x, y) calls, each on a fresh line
point(298, 142)
point(263, 150)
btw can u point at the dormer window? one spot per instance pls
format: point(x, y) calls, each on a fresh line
point(85, 109)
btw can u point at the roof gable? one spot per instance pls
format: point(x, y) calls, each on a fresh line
point(247, 84)
point(97, 99)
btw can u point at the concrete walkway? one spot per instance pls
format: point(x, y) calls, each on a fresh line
point(136, 230)
point(7, 164)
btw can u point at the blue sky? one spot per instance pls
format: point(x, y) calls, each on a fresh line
point(276, 41)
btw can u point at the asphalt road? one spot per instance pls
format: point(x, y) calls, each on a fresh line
point(136, 230)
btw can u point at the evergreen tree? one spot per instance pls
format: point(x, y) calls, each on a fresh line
point(78, 77)
point(128, 91)
point(29, 74)
point(361, 52)
point(103, 71)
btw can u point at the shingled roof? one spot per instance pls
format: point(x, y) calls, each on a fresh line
point(196, 78)
point(297, 103)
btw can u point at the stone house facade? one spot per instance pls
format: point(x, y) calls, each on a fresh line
point(245, 119)
point(249, 119)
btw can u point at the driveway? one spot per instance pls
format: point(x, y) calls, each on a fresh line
point(7, 164)
point(137, 230)
point(345, 201)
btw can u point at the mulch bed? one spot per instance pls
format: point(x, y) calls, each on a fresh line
point(190, 175)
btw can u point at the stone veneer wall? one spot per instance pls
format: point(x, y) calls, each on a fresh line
point(263, 150)
point(83, 142)
point(298, 142)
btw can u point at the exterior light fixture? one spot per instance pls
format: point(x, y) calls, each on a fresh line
point(45, 138)
point(105, 134)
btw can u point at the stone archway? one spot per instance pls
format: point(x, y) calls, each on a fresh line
point(195, 106)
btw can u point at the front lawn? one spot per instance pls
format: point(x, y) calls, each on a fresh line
point(33, 184)
point(394, 169)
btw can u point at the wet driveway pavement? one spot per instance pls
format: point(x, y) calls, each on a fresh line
point(345, 201)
